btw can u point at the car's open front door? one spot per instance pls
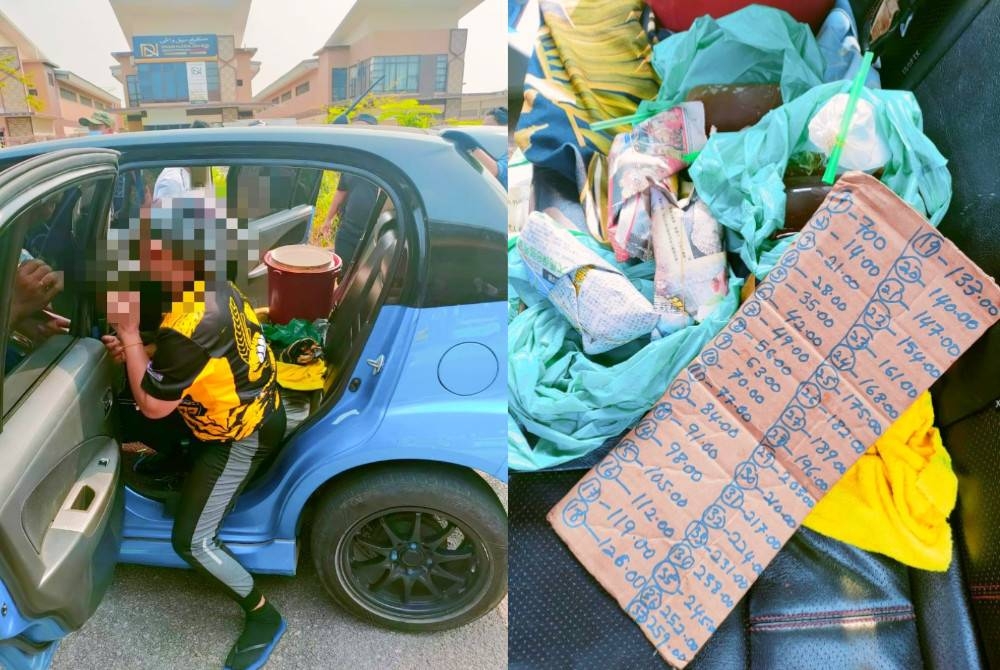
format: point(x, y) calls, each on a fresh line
point(61, 495)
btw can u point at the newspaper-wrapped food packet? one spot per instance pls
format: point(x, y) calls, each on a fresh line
point(691, 273)
point(600, 302)
point(641, 161)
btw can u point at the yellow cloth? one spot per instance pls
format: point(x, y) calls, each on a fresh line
point(301, 377)
point(896, 499)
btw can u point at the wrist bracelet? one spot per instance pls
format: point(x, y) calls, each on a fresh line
point(134, 344)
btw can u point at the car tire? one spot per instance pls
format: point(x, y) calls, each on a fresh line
point(383, 550)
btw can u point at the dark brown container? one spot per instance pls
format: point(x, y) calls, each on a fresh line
point(731, 107)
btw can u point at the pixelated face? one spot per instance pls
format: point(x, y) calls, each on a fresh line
point(155, 259)
point(180, 240)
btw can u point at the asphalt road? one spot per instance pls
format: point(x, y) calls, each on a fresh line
point(164, 619)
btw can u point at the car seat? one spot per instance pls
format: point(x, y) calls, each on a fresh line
point(357, 302)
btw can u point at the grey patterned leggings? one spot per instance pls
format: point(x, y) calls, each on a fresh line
point(220, 473)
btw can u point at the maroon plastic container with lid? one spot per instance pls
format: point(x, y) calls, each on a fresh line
point(301, 279)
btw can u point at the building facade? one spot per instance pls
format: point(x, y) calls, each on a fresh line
point(476, 105)
point(186, 63)
point(39, 101)
point(412, 50)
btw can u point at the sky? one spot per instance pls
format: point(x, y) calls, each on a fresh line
point(86, 33)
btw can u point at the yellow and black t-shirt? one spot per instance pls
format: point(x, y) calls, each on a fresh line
point(211, 355)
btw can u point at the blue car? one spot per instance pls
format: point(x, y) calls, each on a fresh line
point(382, 470)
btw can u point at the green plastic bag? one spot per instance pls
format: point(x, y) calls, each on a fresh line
point(573, 402)
point(280, 336)
point(740, 175)
point(755, 45)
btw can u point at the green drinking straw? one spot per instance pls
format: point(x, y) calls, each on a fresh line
point(638, 117)
point(852, 101)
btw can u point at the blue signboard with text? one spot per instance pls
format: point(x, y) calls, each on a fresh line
point(174, 46)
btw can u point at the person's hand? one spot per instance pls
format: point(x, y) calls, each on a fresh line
point(123, 311)
point(114, 347)
point(55, 324)
point(35, 285)
point(40, 326)
point(325, 232)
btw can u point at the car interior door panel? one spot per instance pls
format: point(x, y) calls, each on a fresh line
point(61, 500)
point(61, 496)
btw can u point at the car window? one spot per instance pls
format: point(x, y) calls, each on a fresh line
point(51, 275)
point(348, 206)
point(280, 205)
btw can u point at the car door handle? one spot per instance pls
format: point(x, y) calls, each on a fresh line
point(84, 507)
point(376, 364)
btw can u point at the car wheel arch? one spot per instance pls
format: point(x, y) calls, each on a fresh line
point(302, 513)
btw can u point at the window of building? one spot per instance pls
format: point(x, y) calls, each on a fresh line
point(84, 100)
point(441, 73)
point(67, 94)
point(401, 74)
point(275, 100)
point(52, 80)
point(360, 77)
point(132, 86)
point(338, 90)
point(167, 82)
point(244, 114)
point(162, 82)
point(302, 88)
point(32, 91)
point(239, 82)
point(212, 78)
point(287, 95)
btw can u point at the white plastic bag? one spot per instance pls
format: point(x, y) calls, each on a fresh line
point(863, 149)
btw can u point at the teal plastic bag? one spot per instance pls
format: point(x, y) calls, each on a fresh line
point(572, 402)
point(755, 45)
point(740, 175)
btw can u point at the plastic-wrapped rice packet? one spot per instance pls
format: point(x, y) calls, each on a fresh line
point(641, 161)
point(691, 273)
point(600, 302)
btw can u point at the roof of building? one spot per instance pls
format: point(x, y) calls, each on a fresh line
point(367, 16)
point(284, 80)
point(29, 50)
point(182, 17)
point(91, 89)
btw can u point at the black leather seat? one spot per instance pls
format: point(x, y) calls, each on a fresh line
point(358, 301)
point(955, 102)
